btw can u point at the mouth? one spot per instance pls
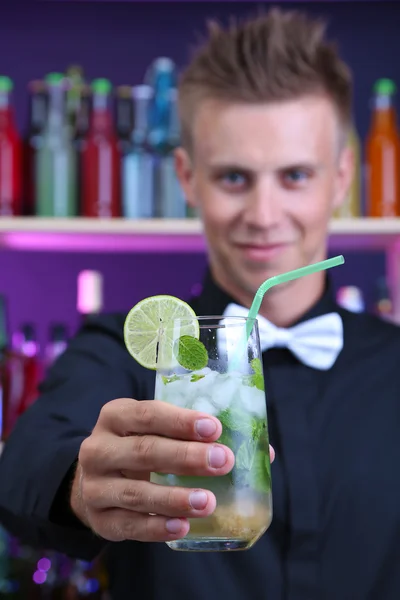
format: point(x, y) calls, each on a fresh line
point(262, 252)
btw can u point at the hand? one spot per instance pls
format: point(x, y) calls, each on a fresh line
point(111, 492)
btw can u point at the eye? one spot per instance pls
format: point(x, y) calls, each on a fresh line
point(234, 180)
point(295, 177)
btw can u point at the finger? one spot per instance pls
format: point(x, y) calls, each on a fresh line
point(147, 453)
point(145, 497)
point(117, 525)
point(126, 417)
point(271, 454)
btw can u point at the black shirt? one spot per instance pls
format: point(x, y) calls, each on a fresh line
point(335, 533)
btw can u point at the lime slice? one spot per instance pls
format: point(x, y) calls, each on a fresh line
point(148, 320)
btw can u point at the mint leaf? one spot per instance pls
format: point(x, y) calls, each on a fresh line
point(257, 378)
point(225, 418)
point(191, 353)
point(260, 478)
point(267, 464)
point(245, 456)
point(248, 380)
point(236, 419)
point(195, 377)
point(256, 365)
point(258, 428)
point(226, 439)
point(166, 380)
point(258, 382)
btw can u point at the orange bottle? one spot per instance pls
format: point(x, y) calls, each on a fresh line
point(383, 154)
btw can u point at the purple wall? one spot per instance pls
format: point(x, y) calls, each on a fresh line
point(118, 40)
point(41, 287)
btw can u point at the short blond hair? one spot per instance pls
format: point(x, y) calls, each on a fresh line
point(276, 56)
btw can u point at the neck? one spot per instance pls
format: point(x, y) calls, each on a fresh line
point(286, 303)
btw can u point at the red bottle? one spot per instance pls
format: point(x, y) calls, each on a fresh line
point(31, 143)
point(26, 350)
point(10, 154)
point(100, 168)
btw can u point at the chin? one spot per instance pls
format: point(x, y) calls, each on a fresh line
point(257, 273)
point(266, 269)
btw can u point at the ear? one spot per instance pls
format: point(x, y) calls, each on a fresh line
point(345, 175)
point(184, 172)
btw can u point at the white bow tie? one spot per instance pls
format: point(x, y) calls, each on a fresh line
point(316, 343)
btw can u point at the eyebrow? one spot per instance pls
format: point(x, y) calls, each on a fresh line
point(232, 166)
point(228, 166)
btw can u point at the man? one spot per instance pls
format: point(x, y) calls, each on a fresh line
point(265, 109)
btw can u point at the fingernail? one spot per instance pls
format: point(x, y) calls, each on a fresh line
point(173, 525)
point(216, 457)
point(198, 500)
point(206, 427)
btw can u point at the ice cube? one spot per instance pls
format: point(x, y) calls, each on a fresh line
point(205, 382)
point(253, 401)
point(175, 392)
point(224, 391)
point(259, 404)
point(205, 371)
point(179, 400)
point(246, 394)
point(203, 404)
point(174, 387)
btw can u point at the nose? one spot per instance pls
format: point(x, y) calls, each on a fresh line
point(263, 207)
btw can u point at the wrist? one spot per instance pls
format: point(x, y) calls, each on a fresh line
point(75, 499)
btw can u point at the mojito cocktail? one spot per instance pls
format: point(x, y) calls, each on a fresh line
point(236, 397)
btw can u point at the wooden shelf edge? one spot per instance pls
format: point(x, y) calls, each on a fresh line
point(172, 226)
point(81, 225)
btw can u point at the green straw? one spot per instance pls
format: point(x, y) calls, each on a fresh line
point(276, 280)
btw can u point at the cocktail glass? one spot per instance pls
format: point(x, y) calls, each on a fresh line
point(236, 396)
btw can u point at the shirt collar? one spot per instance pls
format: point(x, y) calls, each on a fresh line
point(213, 300)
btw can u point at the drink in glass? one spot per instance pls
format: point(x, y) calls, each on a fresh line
point(230, 386)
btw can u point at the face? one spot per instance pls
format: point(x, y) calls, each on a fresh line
point(266, 179)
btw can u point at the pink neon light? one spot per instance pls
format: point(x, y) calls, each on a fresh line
point(83, 242)
point(90, 292)
point(156, 243)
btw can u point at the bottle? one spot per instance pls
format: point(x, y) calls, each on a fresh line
point(57, 344)
point(351, 207)
point(138, 162)
point(26, 349)
point(383, 306)
point(170, 201)
point(161, 76)
point(89, 294)
point(383, 154)
point(79, 141)
point(75, 79)
point(32, 141)
point(124, 117)
point(101, 158)
point(351, 298)
point(56, 158)
point(10, 154)
point(3, 369)
point(12, 377)
point(82, 121)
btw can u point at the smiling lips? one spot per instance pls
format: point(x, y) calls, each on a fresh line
point(259, 252)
